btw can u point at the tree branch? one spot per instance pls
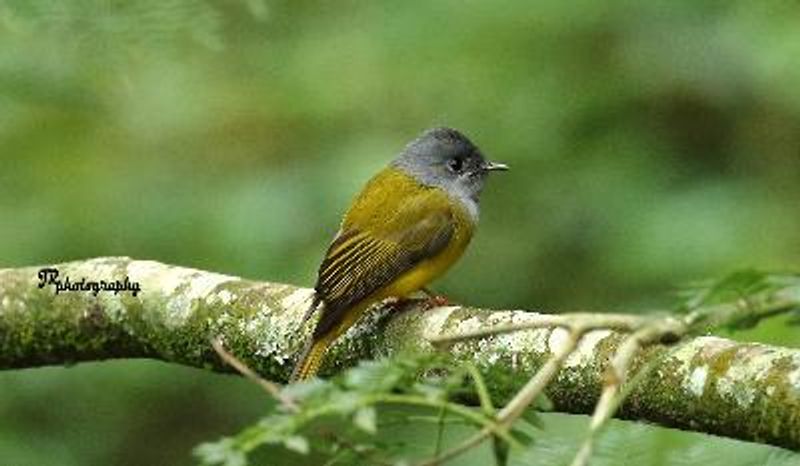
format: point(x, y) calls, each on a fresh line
point(742, 390)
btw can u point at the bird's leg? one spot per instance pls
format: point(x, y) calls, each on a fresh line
point(434, 300)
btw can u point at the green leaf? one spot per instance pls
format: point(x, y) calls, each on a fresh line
point(734, 286)
point(430, 392)
point(306, 389)
point(223, 453)
point(366, 420)
point(297, 444)
point(374, 376)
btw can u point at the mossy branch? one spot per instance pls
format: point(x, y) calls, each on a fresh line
point(742, 390)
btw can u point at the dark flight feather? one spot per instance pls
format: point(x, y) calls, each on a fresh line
point(359, 263)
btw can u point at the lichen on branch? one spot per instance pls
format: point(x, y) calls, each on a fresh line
point(742, 390)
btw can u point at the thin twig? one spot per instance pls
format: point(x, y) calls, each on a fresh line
point(612, 396)
point(535, 387)
point(488, 423)
point(488, 407)
point(365, 455)
point(473, 441)
point(272, 388)
point(645, 330)
point(514, 409)
point(481, 389)
point(721, 314)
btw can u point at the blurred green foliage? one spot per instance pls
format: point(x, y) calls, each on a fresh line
point(651, 144)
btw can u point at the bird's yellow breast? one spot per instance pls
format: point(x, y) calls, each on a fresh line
point(433, 267)
point(391, 199)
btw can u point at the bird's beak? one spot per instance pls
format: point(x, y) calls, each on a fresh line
point(494, 166)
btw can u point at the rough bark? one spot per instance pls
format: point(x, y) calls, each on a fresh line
point(742, 390)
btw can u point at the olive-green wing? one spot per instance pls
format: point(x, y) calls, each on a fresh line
point(365, 258)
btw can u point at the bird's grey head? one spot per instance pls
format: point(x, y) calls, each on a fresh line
point(445, 158)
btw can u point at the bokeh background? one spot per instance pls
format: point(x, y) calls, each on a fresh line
point(652, 144)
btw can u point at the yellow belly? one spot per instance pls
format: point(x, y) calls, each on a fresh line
point(426, 271)
point(418, 277)
point(415, 279)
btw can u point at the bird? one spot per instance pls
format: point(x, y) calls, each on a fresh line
point(409, 224)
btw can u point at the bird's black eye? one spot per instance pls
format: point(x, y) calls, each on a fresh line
point(455, 164)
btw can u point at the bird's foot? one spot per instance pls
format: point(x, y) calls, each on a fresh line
point(434, 300)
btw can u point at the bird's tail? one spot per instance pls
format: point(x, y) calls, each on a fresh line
point(310, 359)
